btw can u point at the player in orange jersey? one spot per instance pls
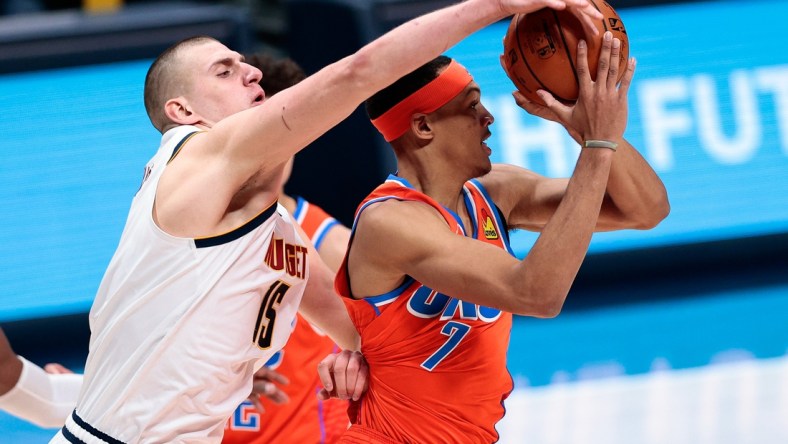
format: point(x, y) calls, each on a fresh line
point(434, 306)
point(295, 414)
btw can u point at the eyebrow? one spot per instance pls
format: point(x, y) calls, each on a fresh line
point(227, 61)
point(474, 89)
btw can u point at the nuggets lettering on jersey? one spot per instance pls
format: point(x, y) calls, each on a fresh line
point(288, 257)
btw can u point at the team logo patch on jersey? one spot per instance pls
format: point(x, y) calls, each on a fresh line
point(488, 226)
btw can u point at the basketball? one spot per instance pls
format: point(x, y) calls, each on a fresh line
point(540, 50)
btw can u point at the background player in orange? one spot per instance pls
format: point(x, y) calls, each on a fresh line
point(296, 415)
point(434, 308)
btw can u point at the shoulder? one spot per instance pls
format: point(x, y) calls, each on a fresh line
point(393, 235)
point(509, 184)
point(411, 226)
point(503, 175)
point(391, 213)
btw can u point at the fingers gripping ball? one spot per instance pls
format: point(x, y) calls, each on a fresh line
point(540, 50)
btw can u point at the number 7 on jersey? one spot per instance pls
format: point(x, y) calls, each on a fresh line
point(455, 331)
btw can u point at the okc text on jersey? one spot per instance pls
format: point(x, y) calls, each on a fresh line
point(428, 303)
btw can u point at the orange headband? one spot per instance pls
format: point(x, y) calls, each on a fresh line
point(396, 121)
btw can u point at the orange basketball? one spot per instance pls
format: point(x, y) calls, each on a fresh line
point(540, 50)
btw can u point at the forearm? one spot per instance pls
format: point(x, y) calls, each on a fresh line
point(325, 310)
point(306, 111)
point(40, 398)
point(636, 197)
point(321, 305)
point(552, 264)
point(418, 41)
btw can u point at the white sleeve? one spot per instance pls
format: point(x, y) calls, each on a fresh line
point(41, 398)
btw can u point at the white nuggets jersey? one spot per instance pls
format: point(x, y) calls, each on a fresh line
point(179, 326)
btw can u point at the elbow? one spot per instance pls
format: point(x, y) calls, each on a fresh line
point(548, 311)
point(647, 214)
point(658, 210)
point(357, 71)
point(544, 306)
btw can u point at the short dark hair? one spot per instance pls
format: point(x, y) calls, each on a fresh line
point(163, 81)
point(278, 73)
point(386, 98)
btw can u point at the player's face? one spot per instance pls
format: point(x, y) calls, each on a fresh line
point(221, 83)
point(463, 126)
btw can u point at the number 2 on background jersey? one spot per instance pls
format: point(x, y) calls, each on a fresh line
point(264, 328)
point(455, 331)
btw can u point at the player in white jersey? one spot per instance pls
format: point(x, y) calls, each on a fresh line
point(209, 271)
point(183, 349)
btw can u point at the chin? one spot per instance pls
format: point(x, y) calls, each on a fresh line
point(482, 170)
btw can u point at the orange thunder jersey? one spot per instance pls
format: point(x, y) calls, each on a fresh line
point(437, 364)
point(305, 419)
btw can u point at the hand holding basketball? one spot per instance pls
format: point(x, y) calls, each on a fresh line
point(602, 107)
point(540, 48)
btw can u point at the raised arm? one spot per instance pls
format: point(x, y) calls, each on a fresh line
point(295, 117)
point(635, 196)
point(247, 147)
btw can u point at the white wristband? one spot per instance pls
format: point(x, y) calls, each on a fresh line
point(600, 144)
point(43, 399)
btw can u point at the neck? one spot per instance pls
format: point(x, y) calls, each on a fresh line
point(435, 179)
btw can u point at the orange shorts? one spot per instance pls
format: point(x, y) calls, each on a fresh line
point(357, 434)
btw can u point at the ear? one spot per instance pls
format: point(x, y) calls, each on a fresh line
point(179, 111)
point(421, 126)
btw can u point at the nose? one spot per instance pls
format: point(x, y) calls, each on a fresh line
point(487, 118)
point(253, 75)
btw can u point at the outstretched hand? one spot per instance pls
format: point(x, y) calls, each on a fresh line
point(345, 375)
point(601, 109)
point(583, 9)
